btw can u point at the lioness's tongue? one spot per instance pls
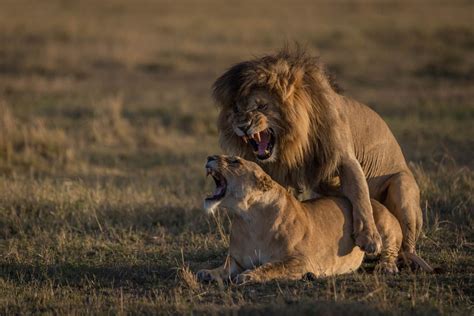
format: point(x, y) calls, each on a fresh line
point(218, 191)
point(264, 140)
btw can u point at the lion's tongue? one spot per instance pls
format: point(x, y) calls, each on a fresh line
point(218, 191)
point(264, 140)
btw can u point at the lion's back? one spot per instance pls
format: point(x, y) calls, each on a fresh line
point(374, 144)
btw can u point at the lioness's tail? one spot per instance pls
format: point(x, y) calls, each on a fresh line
point(417, 260)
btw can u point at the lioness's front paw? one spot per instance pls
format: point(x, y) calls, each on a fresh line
point(244, 277)
point(369, 241)
point(204, 276)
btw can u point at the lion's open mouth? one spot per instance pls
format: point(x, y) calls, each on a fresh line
point(262, 143)
point(221, 185)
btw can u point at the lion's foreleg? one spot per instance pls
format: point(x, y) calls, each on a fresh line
point(354, 187)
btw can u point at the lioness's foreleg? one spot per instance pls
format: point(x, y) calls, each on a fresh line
point(354, 187)
point(225, 272)
point(291, 269)
point(403, 200)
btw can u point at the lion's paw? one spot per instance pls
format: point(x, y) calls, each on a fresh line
point(369, 242)
point(387, 267)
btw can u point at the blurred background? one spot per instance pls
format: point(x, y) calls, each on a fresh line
point(106, 119)
point(114, 85)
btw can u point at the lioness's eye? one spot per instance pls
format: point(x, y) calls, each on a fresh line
point(235, 161)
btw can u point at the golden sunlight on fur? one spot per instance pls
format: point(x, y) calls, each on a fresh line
point(285, 112)
point(274, 236)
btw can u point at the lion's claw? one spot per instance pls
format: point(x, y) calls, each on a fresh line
point(371, 243)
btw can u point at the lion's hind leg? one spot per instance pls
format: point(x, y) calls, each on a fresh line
point(403, 200)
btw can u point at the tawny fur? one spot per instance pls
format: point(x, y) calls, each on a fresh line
point(275, 236)
point(326, 142)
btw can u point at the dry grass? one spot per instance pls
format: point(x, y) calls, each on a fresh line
point(106, 120)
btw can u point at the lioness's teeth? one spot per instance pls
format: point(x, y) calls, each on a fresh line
point(245, 139)
point(258, 137)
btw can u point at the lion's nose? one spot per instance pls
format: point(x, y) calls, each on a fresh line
point(244, 127)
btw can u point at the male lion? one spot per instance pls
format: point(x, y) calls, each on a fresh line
point(273, 235)
point(284, 112)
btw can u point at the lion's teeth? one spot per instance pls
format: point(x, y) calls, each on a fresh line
point(245, 139)
point(258, 137)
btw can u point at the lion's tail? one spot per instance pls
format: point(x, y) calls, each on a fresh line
point(417, 260)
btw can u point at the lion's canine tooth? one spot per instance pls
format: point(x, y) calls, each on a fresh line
point(245, 139)
point(258, 137)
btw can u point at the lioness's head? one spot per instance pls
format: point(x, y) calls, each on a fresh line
point(239, 183)
point(272, 107)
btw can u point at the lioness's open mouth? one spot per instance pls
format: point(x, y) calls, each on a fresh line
point(262, 143)
point(221, 185)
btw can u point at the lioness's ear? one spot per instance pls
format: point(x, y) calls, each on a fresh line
point(264, 182)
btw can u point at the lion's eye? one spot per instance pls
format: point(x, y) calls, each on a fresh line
point(262, 106)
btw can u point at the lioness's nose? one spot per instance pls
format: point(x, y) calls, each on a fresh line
point(211, 158)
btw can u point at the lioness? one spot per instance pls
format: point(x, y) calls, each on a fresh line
point(285, 113)
point(274, 235)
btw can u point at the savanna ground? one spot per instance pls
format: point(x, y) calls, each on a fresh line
point(106, 120)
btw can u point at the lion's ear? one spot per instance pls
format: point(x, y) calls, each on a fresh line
point(286, 79)
point(295, 82)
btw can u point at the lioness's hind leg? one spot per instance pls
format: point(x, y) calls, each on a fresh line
point(391, 235)
point(403, 200)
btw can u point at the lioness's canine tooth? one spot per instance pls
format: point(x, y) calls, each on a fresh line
point(245, 139)
point(258, 137)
